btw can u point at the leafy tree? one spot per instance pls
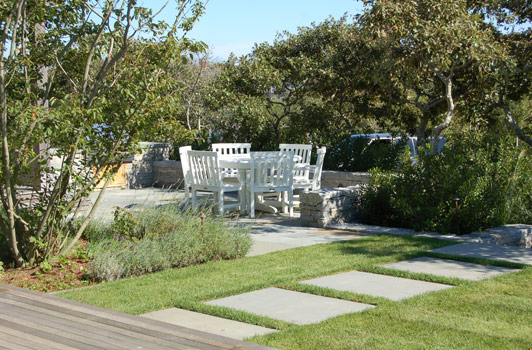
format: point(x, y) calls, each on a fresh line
point(432, 55)
point(79, 81)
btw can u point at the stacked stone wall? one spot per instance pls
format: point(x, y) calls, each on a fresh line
point(330, 206)
point(335, 179)
point(168, 174)
point(140, 168)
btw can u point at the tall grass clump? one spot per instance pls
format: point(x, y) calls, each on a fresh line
point(154, 239)
point(491, 176)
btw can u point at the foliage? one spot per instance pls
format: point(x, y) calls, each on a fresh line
point(490, 176)
point(346, 154)
point(160, 238)
point(297, 90)
point(80, 83)
point(431, 58)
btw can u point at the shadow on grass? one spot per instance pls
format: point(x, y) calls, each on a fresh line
point(407, 247)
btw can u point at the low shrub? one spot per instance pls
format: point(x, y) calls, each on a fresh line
point(165, 237)
point(490, 176)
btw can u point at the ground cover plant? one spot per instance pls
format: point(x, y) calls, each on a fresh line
point(154, 239)
point(491, 314)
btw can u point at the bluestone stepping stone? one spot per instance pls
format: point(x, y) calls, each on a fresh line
point(393, 288)
point(290, 306)
point(265, 247)
point(207, 323)
point(450, 268)
point(489, 252)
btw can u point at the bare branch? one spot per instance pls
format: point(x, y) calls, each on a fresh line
point(510, 120)
point(92, 50)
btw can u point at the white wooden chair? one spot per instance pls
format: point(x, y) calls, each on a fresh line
point(301, 162)
point(231, 148)
point(313, 183)
point(272, 172)
point(228, 149)
point(187, 177)
point(206, 176)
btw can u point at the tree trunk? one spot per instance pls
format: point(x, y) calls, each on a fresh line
point(509, 118)
point(420, 131)
point(448, 116)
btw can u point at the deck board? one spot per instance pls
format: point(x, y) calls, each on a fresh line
point(111, 332)
point(32, 320)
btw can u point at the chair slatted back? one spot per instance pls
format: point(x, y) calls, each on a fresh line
point(303, 152)
point(272, 169)
point(316, 180)
point(184, 164)
point(204, 168)
point(231, 148)
point(225, 149)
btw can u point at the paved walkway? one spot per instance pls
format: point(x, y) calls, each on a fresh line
point(272, 233)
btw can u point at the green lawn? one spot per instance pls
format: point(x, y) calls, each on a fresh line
point(495, 314)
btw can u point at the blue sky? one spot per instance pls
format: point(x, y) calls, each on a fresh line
point(235, 25)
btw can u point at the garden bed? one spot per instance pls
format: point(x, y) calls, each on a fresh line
point(65, 273)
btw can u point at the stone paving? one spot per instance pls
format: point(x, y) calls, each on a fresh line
point(294, 307)
point(489, 252)
point(269, 237)
point(393, 288)
point(450, 268)
point(207, 323)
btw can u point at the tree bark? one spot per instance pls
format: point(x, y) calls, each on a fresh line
point(517, 130)
point(11, 23)
point(448, 82)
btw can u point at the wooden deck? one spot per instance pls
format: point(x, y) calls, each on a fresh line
point(32, 320)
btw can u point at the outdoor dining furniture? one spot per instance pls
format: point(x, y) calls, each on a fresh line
point(206, 175)
point(272, 172)
point(243, 164)
point(187, 176)
point(314, 182)
point(204, 171)
point(229, 149)
point(301, 166)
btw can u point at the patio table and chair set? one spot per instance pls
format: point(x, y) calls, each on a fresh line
point(264, 181)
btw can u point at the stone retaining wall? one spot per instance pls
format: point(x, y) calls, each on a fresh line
point(329, 206)
point(140, 170)
point(335, 179)
point(167, 174)
point(518, 235)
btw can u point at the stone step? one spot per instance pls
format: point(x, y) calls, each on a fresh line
point(450, 268)
point(489, 252)
point(209, 324)
point(289, 306)
point(394, 288)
